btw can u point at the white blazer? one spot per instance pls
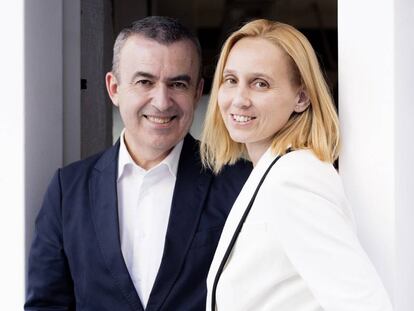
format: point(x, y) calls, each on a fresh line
point(298, 249)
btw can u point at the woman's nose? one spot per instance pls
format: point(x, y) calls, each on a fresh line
point(241, 98)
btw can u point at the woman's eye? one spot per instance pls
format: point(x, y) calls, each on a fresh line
point(261, 84)
point(230, 80)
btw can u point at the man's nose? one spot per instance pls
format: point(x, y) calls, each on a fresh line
point(161, 98)
point(241, 97)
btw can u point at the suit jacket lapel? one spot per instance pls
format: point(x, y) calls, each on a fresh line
point(103, 192)
point(190, 192)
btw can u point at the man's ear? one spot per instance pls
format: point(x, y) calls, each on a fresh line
point(302, 101)
point(112, 87)
point(199, 90)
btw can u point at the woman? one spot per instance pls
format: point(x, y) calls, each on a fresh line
point(289, 243)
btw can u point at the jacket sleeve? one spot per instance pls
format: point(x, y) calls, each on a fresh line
point(317, 232)
point(50, 286)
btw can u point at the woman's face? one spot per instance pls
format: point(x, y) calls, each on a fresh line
point(256, 97)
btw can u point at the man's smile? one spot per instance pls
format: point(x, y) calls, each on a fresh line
point(159, 120)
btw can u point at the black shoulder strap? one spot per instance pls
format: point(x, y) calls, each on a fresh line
point(236, 234)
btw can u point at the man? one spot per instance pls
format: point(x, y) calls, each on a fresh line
point(136, 226)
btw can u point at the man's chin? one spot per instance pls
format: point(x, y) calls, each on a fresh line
point(164, 144)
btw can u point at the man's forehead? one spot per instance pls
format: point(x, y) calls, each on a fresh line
point(147, 55)
point(184, 46)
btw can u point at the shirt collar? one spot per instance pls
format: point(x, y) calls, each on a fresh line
point(125, 159)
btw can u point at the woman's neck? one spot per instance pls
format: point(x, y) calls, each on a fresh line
point(256, 150)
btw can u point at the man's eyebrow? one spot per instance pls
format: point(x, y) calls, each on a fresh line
point(147, 75)
point(143, 74)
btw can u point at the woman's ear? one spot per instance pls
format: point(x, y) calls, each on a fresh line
point(302, 100)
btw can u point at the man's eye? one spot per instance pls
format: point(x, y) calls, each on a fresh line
point(144, 82)
point(179, 85)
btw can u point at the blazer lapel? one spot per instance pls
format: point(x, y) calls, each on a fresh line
point(104, 208)
point(190, 192)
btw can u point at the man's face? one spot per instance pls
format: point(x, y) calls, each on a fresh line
point(156, 90)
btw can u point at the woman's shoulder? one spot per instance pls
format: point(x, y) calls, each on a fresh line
point(303, 158)
point(299, 183)
point(302, 169)
point(304, 163)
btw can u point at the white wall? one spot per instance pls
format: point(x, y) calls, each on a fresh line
point(43, 138)
point(12, 179)
point(71, 52)
point(52, 96)
point(376, 65)
point(40, 82)
point(199, 115)
point(404, 153)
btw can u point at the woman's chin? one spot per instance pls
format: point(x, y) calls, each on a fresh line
point(239, 139)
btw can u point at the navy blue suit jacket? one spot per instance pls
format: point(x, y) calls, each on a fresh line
point(76, 263)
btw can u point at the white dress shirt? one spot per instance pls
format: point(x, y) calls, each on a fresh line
point(144, 203)
point(298, 249)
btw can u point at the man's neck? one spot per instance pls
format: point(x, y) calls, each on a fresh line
point(146, 159)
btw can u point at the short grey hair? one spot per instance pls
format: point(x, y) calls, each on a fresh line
point(162, 29)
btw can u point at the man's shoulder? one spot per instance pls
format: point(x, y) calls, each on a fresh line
point(241, 167)
point(85, 166)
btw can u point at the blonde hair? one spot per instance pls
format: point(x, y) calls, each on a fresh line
point(316, 128)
